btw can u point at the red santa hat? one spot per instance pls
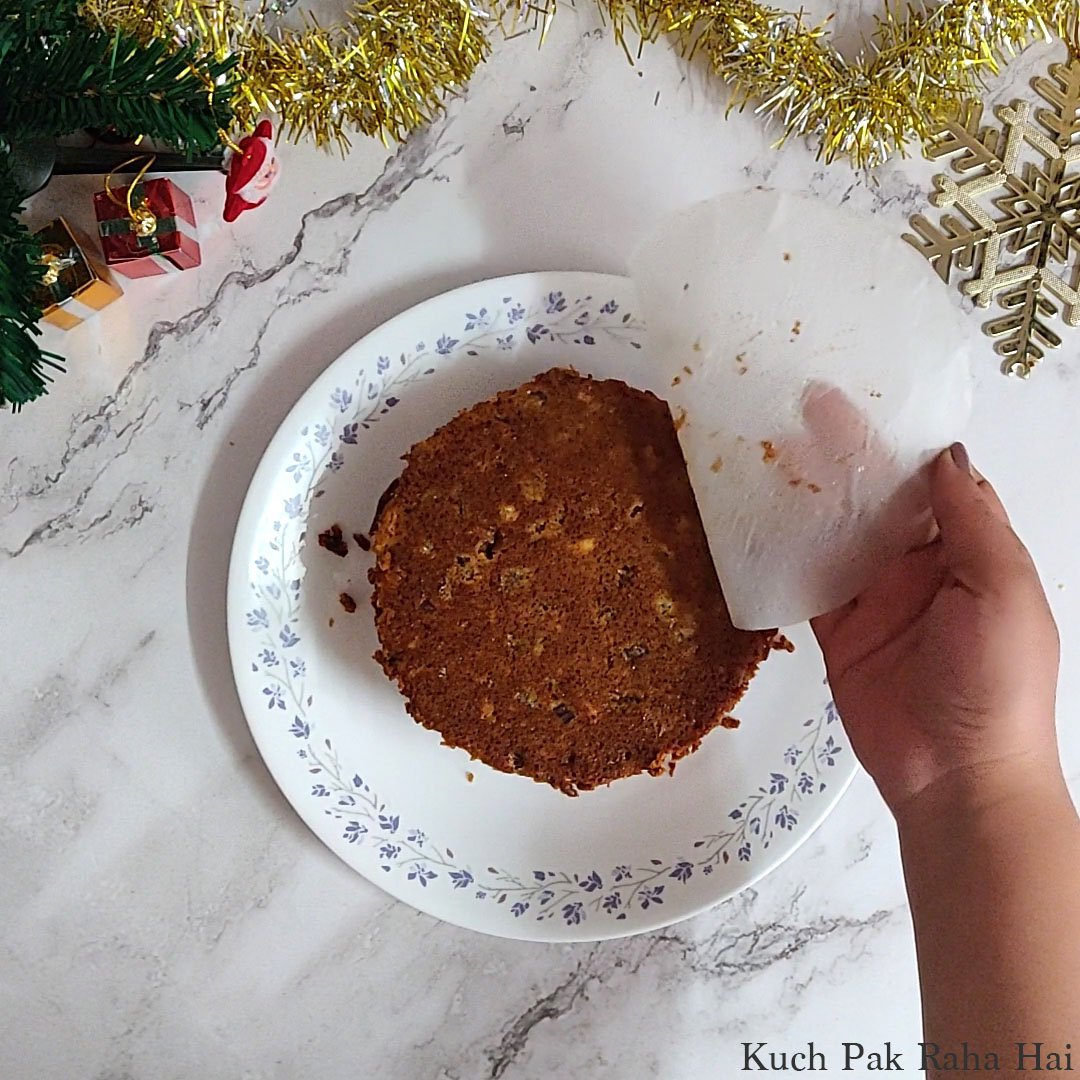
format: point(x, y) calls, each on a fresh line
point(244, 167)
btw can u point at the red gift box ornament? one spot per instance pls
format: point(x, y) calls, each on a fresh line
point(148, 227)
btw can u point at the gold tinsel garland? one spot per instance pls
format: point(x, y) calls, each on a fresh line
point(385, 71)
point(388, 67)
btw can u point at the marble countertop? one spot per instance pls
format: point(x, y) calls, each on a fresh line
point(164, 912)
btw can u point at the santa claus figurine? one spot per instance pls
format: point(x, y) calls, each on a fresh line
point(251, 172)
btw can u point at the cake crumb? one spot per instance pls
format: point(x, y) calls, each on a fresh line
point(688, 369)
point(781, 644)
point(334, 542)
point(533, 486)
point(729, 722)
point(469, 777)
point(676, 381)
point(795, 483)
point(768, 451)
point(814, 488)
point(362, 542)
point(796, 330)
point(680, 420)
point(717, 465)
point(331, 623)
point(787, 256)
point(875, 393)
point(697, 345)
point(347, 602)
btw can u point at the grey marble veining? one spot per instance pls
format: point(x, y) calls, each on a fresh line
point(164, 913)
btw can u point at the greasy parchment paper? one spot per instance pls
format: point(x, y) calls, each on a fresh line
point(814, 365)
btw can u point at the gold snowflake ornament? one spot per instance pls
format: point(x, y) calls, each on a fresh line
point(1018, 236)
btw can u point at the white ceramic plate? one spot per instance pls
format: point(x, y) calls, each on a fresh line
point(483, 849)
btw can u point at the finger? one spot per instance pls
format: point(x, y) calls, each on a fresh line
point(993, 500)
point(930, 534)
point(829, 412)
point(826, 626)
point(979, 545)
point(898, 595)
point(833, 421)
point(987, 489)
point(906, 586)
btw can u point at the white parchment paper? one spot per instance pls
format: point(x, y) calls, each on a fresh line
point(814, 364)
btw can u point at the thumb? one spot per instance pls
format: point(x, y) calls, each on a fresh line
point(980, 548)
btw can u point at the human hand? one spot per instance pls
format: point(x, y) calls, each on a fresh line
point(946, 668)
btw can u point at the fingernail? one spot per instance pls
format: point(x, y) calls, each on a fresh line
point(960, 456)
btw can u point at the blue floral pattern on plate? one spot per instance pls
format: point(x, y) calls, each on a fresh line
point(574, 896)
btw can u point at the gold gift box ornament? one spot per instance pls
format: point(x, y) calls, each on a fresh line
point(74, 287)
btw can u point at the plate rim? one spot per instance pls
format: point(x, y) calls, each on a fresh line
point(243, 537)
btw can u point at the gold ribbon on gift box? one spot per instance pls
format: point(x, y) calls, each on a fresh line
point(142, 221)
point(55, 262)
point(73, 288)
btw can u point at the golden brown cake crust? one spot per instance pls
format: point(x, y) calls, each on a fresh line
point(544, 594)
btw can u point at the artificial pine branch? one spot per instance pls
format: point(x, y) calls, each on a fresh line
point(59, 74)
point(23, 375)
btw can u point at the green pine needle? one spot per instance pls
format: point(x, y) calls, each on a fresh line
point(23, 374)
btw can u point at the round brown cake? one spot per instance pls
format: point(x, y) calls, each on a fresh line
point(544, 594)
